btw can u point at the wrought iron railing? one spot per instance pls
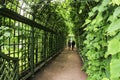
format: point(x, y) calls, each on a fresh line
point(9, 68)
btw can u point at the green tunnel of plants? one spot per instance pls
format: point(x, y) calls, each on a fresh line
point(34, 31)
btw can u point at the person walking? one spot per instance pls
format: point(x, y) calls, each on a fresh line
point(73, 44)
point(69, 44)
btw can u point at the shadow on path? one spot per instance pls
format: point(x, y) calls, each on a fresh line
point(66, 66)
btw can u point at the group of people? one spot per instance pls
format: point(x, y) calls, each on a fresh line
point(71, 44)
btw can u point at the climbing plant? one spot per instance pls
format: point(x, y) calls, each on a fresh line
point(99, 41)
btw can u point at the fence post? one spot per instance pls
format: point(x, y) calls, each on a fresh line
point(0, 32)
point(45, 43)
point(32, 52)
point(32, 47)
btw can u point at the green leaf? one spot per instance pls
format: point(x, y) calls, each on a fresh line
point(7, 34)
point(117, 36)
point(105, 79)
point(1, 38)
point(116, 2)
point(87, 21)
point(95, 9)
point(111, 18)
point(91, 14)
point(116, 12)
point(105, 2)
point(102, 6)
point(114, 26)
point(113, 47)
point(115, 69)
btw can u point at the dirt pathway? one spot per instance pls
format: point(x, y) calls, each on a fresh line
point(66, 66)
